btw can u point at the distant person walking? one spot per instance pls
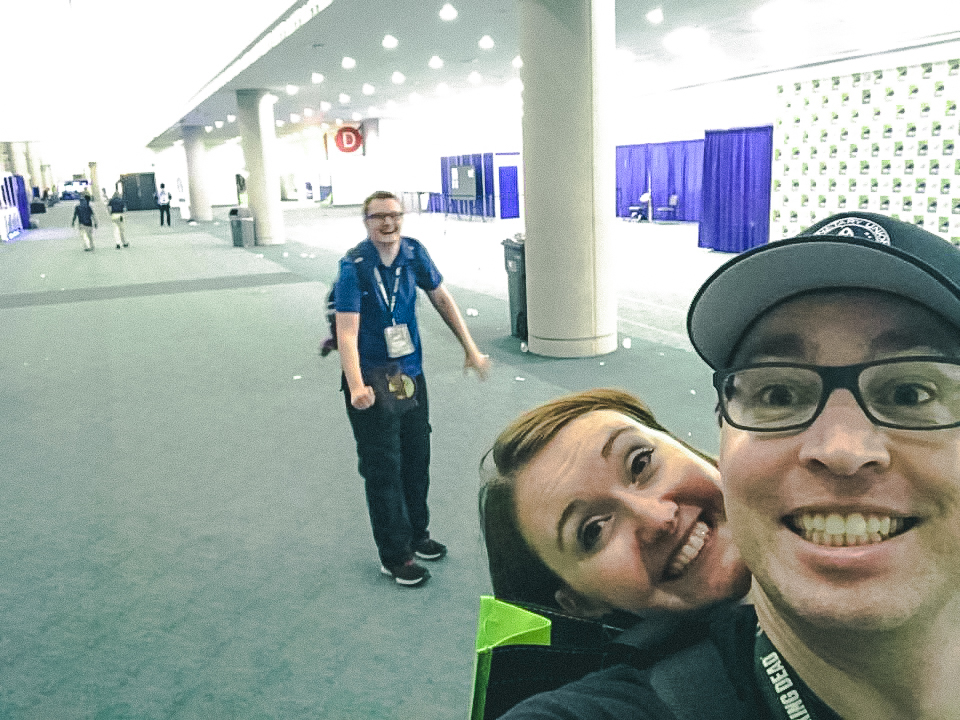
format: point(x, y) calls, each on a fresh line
point(117, 207)
point(163, 200)
point(88, 221)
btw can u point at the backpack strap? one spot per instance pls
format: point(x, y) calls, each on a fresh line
point(330, 344)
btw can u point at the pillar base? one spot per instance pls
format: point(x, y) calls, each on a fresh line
point(572, 348)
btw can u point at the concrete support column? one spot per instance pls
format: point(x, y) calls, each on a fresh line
point(258, 138)
point(200, 208)
point(370, 132)
point(568, 48)
point(94, 182)
point(20, 165)
point(33, 162)
point(46, 177)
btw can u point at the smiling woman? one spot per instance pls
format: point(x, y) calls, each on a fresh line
point(595, 507)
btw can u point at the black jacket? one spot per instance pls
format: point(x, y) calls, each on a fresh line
point(690, 666)
point(84, 213)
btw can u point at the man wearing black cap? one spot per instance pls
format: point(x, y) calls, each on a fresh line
point(837, 358)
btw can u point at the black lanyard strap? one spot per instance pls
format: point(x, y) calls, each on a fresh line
point(785, 695)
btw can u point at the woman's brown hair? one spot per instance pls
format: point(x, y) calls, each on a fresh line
point(516, 571)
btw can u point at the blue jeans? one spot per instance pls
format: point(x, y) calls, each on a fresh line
point(393, 450)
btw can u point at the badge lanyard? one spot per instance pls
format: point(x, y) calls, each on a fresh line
point(397, 335)
point(391, 302)
point(780, 688)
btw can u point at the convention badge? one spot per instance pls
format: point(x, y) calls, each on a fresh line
point(399, 342)
point(401, 386)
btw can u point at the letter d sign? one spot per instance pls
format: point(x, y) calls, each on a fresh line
point(348, 139)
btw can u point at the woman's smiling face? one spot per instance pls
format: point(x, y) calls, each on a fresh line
point(628, 518)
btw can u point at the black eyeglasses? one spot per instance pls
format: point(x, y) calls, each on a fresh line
point(907, 393)
point(380, 217)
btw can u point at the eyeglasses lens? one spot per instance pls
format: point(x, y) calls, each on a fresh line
point(771, 397)
point(380, 217)
point(914, 394)
point(910, 394)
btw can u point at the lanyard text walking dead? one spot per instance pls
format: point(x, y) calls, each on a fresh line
point(783, 693)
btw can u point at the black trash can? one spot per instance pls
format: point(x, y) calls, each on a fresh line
point(513, 261)
point(242, 227)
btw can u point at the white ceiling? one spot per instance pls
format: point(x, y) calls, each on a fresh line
point(742, 37)
point(118, 73)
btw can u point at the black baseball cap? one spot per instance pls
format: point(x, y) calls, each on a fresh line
point(851, 250)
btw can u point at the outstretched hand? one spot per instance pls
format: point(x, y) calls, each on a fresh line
point(479, 362)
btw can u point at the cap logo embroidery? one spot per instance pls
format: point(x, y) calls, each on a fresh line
point(856, 227)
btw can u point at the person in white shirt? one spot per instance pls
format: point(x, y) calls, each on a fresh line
point(163, 200)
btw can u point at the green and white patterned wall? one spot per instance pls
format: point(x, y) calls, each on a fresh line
point(885, 141)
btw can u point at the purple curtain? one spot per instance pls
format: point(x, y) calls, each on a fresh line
point(445, 163)
point(690, 182)
point(665, 170)
point(23, 204)
point(736, 189)
point(489, 206)
point(631, 176)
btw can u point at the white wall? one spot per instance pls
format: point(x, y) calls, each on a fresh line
point(354, 175)
point(404, 153)
point(748, 102)
point(224, 162)
point(170, 168)
point(302, 159)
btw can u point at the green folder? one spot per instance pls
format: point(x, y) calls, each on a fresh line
point(500, 624)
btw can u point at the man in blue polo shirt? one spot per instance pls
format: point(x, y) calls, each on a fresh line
point(383, 383)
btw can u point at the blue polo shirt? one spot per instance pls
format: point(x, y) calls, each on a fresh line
point(357, 290)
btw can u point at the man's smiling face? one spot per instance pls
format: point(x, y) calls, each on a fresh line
point(794, 498)
point(383, 221)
